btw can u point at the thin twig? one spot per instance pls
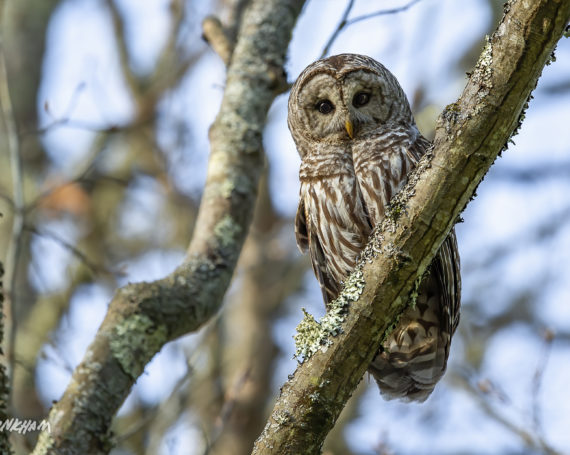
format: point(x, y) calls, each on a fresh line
point(73, 101)
point(530, 438)
point(382, 13)
point(131, 79)
point(171, 65)
point(15, 246)
point(536, 174)
point(545, 229)
point(95, 269)
point(78, 125)
point(548, 337)
point(345, 22)
point(157, 413)
point(227, 408)
point(340, 27)
point(96, 149)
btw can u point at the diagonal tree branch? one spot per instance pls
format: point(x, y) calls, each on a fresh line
point(142, 317)
point(469, 136)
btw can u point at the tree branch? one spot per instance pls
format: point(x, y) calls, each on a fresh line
point(4, 388)
point(469, 136)
point(142, 317)
point(213, 32)
point(13, 255)
point(346, 22)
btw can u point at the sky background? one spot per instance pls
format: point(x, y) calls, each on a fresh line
point(504, 249)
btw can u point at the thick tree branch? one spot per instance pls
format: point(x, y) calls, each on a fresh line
point(142, 317)
point(4, 389)
point(469, 136)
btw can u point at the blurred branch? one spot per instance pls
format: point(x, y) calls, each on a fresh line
point(15, 245)
point(469, 136)
point(142, 317)
point(222, 39)
point(339, 28)
point(235, 17)
point(4, 387)
point(345, 22)
point(481, 393)
point(94, 268)
point(544, 357)
point(163, 415)
point(546, 228)
point(336, 442)
point(214, 34)
point(172, 63)
point(268, 273)
point(131, 78)
point(536, 173)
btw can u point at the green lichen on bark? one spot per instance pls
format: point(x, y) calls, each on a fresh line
point(44, 444)
point(4, 390)
point(313, 336)
point(485, 62)
point(227, 231)
point(140, 332)
point(469, 135)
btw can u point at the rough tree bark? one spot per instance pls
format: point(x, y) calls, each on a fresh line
point(469, 136)
point(4, 390)
point(143, 317)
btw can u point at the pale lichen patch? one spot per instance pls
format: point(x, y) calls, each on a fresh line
point(313, 335)
point(226, 188)
point(415, 291)
point(282, 417)
point(485, 63)
point(140, 331)
point(227, 230)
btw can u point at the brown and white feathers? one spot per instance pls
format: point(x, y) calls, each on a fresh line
point(354, 130)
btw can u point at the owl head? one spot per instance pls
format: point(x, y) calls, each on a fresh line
point(342, 98)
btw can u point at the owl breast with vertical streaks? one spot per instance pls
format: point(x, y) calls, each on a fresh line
point(358, 141)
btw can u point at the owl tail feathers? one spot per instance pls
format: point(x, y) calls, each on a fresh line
point(409, 374)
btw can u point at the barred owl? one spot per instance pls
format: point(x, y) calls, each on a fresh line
point(354, 130)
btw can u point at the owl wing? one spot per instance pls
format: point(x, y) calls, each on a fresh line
point(446, 266)
point(414, 357)
point(308, 240)
point(301, 233)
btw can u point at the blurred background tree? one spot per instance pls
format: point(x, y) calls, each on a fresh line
point(112, 100)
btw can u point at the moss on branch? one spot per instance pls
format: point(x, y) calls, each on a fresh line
point(142, 317)
point(469, 136)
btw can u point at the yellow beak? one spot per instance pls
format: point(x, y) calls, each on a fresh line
point(349, 128)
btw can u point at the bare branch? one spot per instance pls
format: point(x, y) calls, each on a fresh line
point(469, 136)
point(530, 438)
point(94, 268)
point(339, 28)
point(213, 32)
point(142, 317)
point(4, 389)
point(345, 22)
point(119, 27)
point(15, 246)
point(548, 337)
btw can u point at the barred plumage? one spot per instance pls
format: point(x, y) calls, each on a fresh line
point(357, 138)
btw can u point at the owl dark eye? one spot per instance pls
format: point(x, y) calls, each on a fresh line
point(325, 107)
point(360, 99)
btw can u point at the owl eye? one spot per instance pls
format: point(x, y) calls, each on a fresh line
point(360, 99)
point(325, 107)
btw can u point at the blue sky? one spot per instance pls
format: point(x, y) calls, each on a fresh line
point(422, 47)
